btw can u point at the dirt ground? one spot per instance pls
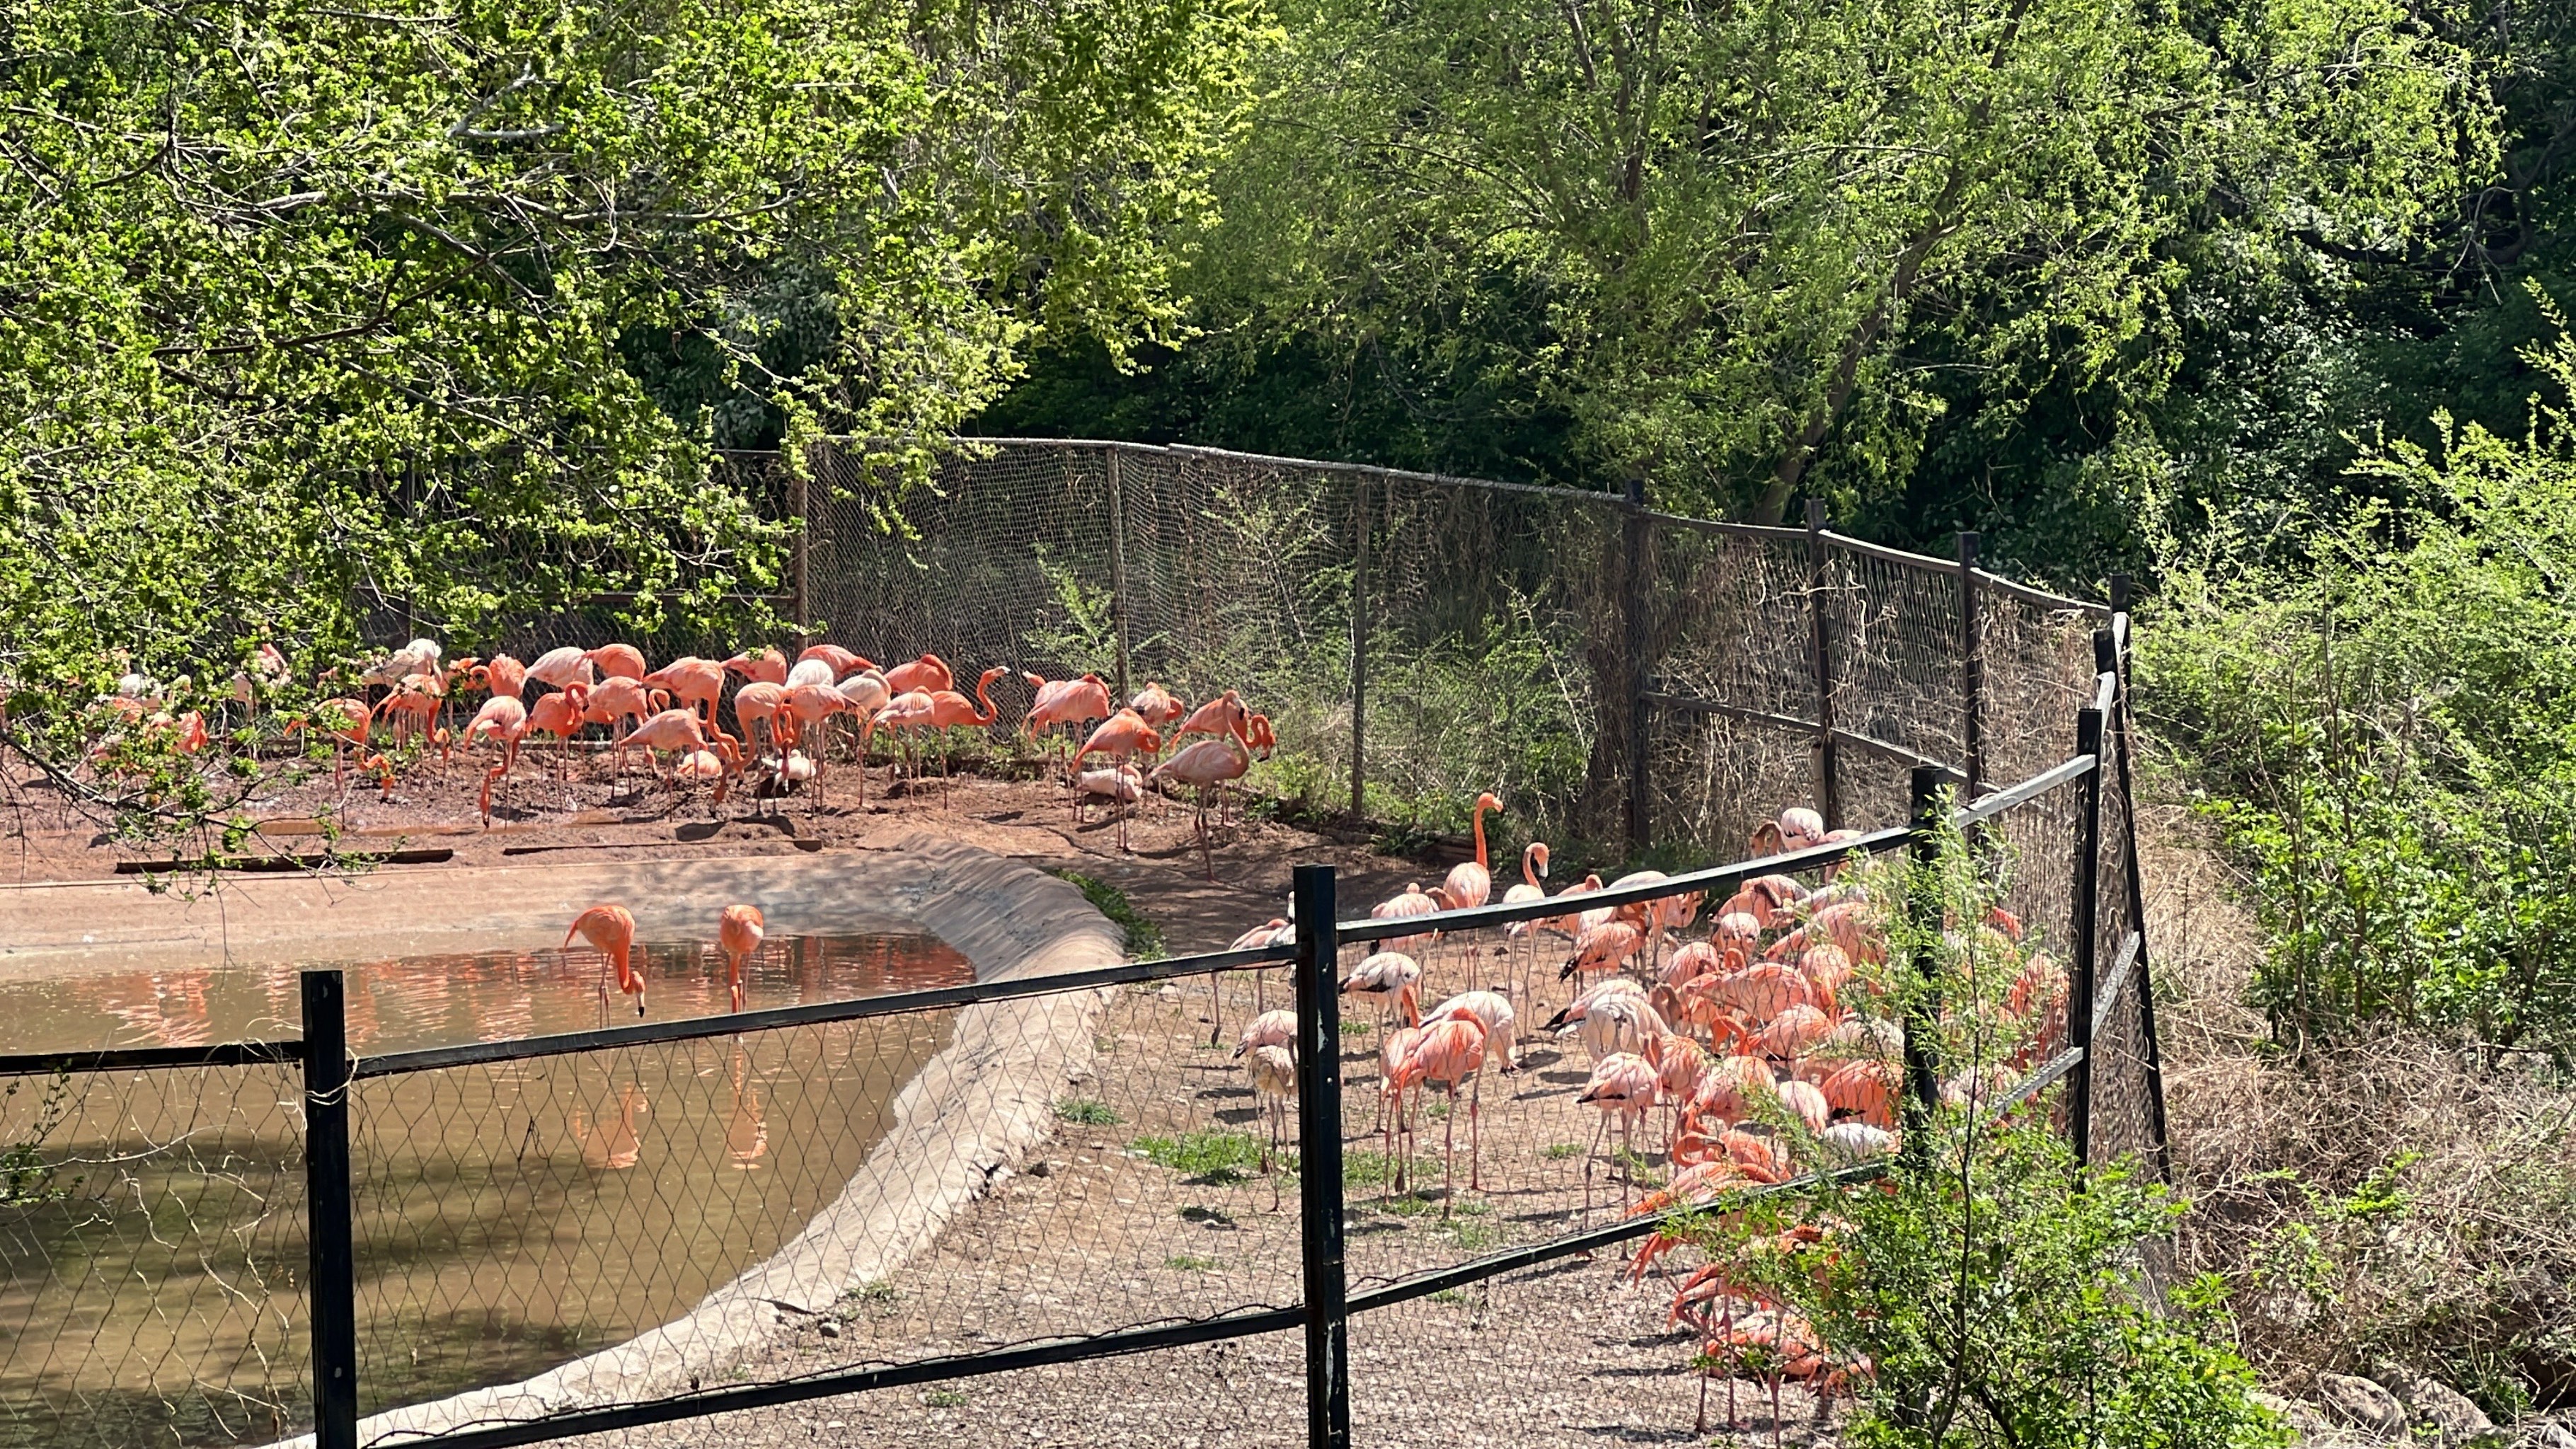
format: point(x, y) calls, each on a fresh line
point(1097, 1235)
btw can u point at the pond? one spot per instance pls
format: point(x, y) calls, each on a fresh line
point(510, 1217)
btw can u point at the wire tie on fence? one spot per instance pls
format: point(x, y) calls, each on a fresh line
point(338, 1096)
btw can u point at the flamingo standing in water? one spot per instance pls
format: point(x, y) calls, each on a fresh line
point(611, 931)
point(738, 933)
point(1208, 764)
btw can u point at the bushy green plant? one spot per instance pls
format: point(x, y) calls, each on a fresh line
point(2383, 732)
point(1986, 1290)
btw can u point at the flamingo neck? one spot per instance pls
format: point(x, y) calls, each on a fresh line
point(984, 698)
point(1481, 862)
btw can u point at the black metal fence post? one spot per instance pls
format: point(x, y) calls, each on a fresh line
point(1635, 529)
point(2088, 859)
point(1821, 661)
point(1972, 668)
point(1319, 1159)
point(332, 1279)
point(2145, 987)
point(1923, 914)
point(1118, 570)
point(1359, 648)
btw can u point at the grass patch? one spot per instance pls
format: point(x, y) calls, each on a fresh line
point(876, 1293)
point(1438, 1111)
point(1218, 1159)
point(1376, 1169)
point(1358, 1028)
point(944, 1399)
point(1562, 1151)
point(1085, 1112)
point(1450, 1295)
point(1189, 1263)
point(1638, 1171)
point(1426, 1204)
point(1472, 1233)
point(1144, 938)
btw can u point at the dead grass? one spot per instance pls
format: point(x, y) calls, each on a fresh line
point(2390, 1198)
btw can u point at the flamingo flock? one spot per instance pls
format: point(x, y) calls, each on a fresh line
point(788, 717)
point(1765, 1045)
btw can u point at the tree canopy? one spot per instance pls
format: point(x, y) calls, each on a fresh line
point(315, 309)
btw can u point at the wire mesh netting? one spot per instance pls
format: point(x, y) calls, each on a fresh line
point(771, 1205)
point(153, 1229)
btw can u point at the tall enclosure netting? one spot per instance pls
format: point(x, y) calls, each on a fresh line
point(152, 1238)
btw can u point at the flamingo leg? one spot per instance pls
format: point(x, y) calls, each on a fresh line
point(1448, 1150)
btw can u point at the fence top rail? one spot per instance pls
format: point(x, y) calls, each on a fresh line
point(1373, 929)
point(2025, 792)
point(815, 1014)
point(2041, 597)
point(2023, 591)
point(156, 1058)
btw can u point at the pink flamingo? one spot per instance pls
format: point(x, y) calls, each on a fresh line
point(1061, 702)
point(1207, 765)
point(1450, 1051)
point(738, 935)
point(611, 931)
point(697, 683)
point(909, 713)
point(1470, 882)
point(563, 668)
point(1622, 1085)
point(676, 731)
point(843, 662)
point(766, 667)
point(617, 661)
point(929, 674)
point(504, 719)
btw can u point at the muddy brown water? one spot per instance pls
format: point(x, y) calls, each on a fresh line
point(510, 1217)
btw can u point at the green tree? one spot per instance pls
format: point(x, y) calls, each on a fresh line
point(318, 310)
point(1727, 244)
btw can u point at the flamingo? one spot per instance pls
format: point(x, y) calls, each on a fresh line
point(1207, 764)
point(1414, 902)
point(1604, 947)
point(420, 656)
point(1224, 714)
point(1059, 702)
point(1488, 1009)
point(1160, 708)
point(698, 683)
point(909, 712)
point(676, 731)
point(1392, 1124)
point(1392, 979)
point(346, 721)
point(949, 709)
point(811, 671)
point(618, 698)
point(563, 668)
point(929, 674)
point(1277, 931)
point(617, 661)
point(504, 719)
point(766, 667)
point(1450, 1052)
point(1622, 1085)
point(500, 676)
point(1470, 882)
point(765, 705)
point(813, 705)
point(738, 934)
point(1274, 1084)
point(1533, 871)
point(611, 931)
point(867, 692)
point(1797, 828)
point(559, 714)
point(843, 662)
point(1121, 785)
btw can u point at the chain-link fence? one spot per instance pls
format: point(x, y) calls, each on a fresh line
point(509, 1241)
point(1417, 640)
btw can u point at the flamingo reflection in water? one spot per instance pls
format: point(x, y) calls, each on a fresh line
point(746, 1130)
point(614, 1146)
